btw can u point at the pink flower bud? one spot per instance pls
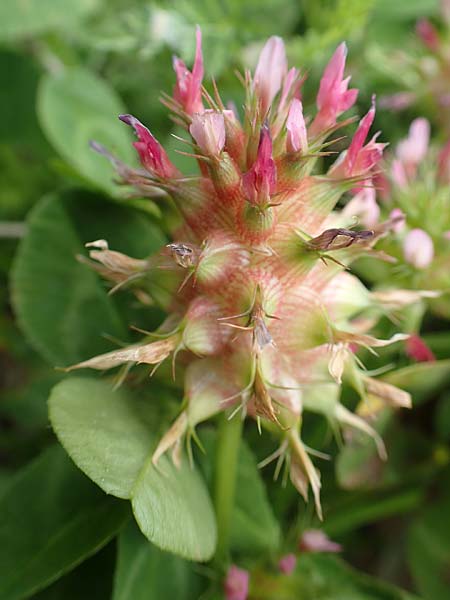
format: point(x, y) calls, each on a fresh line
point(259, 182)
point(188, 87)
point(359, 159)
point(270, 72)
point(152, 154)
point(236, 583)
point(208, 130)
point(287, 563)
point(359, 138)
point(315, 540)
point(364, 206)
point(428, 34)
point(334, 97)
point(418, 248)
point(296, 139)
point(397, 219)
point(417, 349)
point(413, 149)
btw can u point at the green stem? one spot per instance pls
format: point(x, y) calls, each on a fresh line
point(227, 456)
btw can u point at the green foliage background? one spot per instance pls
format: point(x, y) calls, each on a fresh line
point(68, 68)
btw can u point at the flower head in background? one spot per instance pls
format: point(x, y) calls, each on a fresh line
point(416, 196)
point(263, 314)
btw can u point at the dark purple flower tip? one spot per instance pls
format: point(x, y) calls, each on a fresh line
point(128, 119)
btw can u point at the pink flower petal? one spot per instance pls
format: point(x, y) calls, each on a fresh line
point(333, 98)
point(296, 139)
point(208, 130)
point(270, 72)
point(260, 181)
point(364, 206)
point(413, 149)
point(188, 87)
point(152, 154)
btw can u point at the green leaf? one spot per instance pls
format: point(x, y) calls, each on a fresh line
point(429, 551)
point(63, 306)
point(75, 107)
point(359, 509)
point(20, 77)
point(141, 567)
point(254, 528)
point(91, 579)
point(111, 436)
point(421, 380)
point(439, 342)
point(325, 577)
point(52, 519)
point(24, 18)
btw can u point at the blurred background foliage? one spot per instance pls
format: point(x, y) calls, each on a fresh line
point(68, 68)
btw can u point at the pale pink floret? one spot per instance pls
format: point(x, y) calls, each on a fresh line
point(188, 87)
point(315, 540)
point(296, 138)
point(152, 154)
point(412, 150)
point(208, 130)
point(334, 97)
point(287, 563)
point(259, 182)
point(364, 206)
point(398, 173)
point(418, 248)
point(236, 583)
point(398, 220)
point(270, 72)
